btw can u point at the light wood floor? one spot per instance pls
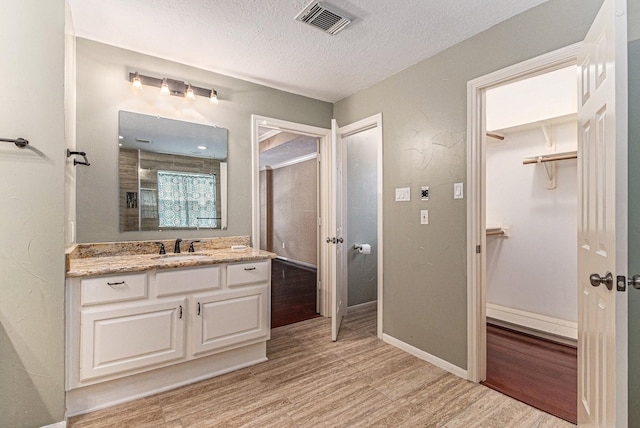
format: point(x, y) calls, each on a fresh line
point(310, 381)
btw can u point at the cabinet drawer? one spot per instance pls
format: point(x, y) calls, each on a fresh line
point(248, 273)
point(114, 288)
point(182, 281)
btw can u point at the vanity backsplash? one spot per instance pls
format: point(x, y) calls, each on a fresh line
point(126, 248)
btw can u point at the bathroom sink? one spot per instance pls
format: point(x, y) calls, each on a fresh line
point(181, 258)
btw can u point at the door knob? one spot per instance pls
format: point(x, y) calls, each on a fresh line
point(634, 281)
point(597, 280)
point(340, 240)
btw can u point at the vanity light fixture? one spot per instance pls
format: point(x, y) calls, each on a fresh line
point(164, 88)
point(137, 83)
point(189, 94)
point(172, 87)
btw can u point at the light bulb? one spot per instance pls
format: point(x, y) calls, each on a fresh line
point(213, 99)
point(164, 89)
point(189, 94)
point(137, 83)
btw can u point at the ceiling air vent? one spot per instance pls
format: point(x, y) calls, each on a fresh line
point(325, 17)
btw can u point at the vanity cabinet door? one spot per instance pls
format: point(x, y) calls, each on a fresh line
point(129, 338)
point(226, 320)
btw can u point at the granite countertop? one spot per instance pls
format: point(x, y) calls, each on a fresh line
point(91, 266)
point(137, 256)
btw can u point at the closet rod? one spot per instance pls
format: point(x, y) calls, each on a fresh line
point(496, 136)
point(495, 232)
point(549, 158)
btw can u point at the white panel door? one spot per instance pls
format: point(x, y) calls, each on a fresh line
point(337, 250)
point(602, 216)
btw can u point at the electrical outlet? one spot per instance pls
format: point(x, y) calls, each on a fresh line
point(424, 216)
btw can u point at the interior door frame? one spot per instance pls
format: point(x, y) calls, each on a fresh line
point(324, 148)
point(476, 191)
point(373, 122)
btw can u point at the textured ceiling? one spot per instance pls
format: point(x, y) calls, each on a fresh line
point(259, 40)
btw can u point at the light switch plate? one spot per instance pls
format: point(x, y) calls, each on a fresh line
point(424, 216)
point(403, 194)
point(458, 191)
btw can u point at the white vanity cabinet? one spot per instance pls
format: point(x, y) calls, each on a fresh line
point(173, 323)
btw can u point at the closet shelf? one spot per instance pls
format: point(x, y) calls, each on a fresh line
point(503, 232)
point(550, 157)
point(559, 120)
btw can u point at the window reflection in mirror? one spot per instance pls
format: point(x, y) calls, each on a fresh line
point(172, 174)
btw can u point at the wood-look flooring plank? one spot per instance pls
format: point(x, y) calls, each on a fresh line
point(293, 293)
point(538, 372)
point(310, 381)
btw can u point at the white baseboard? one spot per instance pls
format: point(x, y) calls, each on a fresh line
point(362, 306)
point(438, 362)
point(536, 324)
point(62, 424)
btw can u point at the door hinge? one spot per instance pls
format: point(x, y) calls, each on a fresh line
point(477, 249)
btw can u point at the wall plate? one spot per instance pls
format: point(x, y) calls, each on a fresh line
point(424, 193)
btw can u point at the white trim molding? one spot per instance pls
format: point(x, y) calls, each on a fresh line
point(290, 162)
point(476, 219)
point(438, 362)
point(534, 322)
point(62, 424)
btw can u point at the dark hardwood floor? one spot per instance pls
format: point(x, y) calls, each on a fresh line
point(538, 372)
point(293, 293)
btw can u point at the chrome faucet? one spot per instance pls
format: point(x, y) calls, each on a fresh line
point(176, 249)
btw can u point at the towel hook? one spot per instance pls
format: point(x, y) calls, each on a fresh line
point(77, 162)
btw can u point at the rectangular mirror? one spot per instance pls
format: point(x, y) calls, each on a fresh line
point(173, 174)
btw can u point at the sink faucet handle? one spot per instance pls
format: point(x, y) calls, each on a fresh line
point(176, 248)
point(162, 250)
point(191, 249)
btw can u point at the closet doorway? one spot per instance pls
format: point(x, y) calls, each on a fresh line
point(531, 232)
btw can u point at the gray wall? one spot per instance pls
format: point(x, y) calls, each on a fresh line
point(295, 211)
point(424, 111)
point(362, 216)
point(32, 213)
point(634, 230)
point(103, 89)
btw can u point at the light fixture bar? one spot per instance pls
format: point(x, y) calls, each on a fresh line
point(176, 87)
